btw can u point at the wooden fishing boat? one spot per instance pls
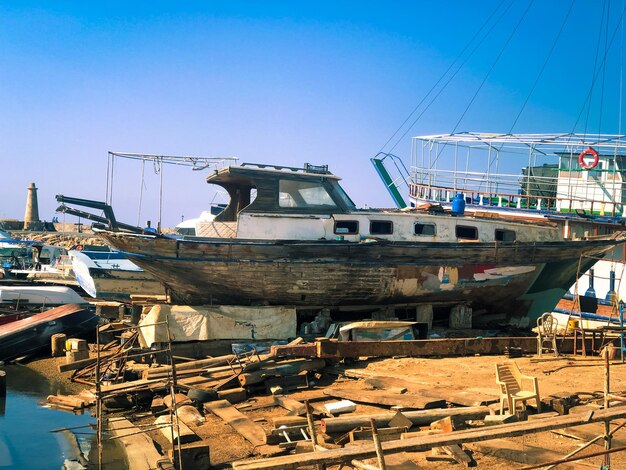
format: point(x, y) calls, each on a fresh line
point(32, 335)
point(293, 237)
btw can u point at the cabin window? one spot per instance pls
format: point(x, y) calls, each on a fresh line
point(505, 235)
point(424, 229)
point(346, 227)
point(381, 227)
point(466, 232)
point(303, 194)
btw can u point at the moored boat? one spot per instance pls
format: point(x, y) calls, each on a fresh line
point(31, 335)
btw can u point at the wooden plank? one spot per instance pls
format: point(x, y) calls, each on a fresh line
point(384, 434)
point(387, 399)
point(335, 456)
point(139, 450)
point(588, 431)
point(420, 418)
point(239, 422)
point(132, 385)
point(524, 453)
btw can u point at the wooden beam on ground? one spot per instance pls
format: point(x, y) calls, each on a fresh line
point(388, 399)
point(238, 421)
point(139, 450)
point(425, 347)
point(336, 456)
point(294, 407)
point(420, 418)
point(524, 453)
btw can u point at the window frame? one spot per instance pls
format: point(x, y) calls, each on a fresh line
point(456, 232)
point(389, 222)
point(504, 230)
point(424, 224)
point(343, 222)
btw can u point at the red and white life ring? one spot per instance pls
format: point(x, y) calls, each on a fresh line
point(591, 152)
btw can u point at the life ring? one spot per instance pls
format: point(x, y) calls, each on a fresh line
point(79, 247)
point(581, 158)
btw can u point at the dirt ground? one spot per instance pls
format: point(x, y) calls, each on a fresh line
point(556, 375)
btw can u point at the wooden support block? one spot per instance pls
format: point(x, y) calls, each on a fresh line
point(58, 344)
point(157, 405)
point(78, 355)
point(194, 456)
point(444, 424)
point(181, 433)
point(234, 395)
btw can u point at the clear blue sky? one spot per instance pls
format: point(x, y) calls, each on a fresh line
point(282, 82)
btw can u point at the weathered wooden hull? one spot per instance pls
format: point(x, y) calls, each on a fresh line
point(518, 279)
point(117, 284)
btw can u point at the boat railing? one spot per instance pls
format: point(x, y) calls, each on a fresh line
point(562, 172)
point(531, 192)
point(307, 168)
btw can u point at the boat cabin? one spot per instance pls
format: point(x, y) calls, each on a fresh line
point(277, 189)
point(274, 202)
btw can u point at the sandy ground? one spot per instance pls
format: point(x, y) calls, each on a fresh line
point(470, 373)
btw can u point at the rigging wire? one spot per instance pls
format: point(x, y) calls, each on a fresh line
point(588, 98)
point(621, 77)
point(543, 67)
point(606, 38)
point(593, 71)
point(452, 77)
point(141, 186)
point(432, 89)
point(493, 65)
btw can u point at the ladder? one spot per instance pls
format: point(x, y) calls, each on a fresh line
point(392, 183)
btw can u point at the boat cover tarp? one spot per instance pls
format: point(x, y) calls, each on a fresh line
point(204, 323)
point(377, 331)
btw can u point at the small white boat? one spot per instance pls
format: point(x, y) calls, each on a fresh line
point(39, 296)
point(110, 275)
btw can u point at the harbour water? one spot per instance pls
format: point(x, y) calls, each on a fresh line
point(27, 440)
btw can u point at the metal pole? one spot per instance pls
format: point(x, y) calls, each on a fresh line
point(98, 399)
point(379, 449)
point(607, 423)
point(174, 408)
point(309, 420)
